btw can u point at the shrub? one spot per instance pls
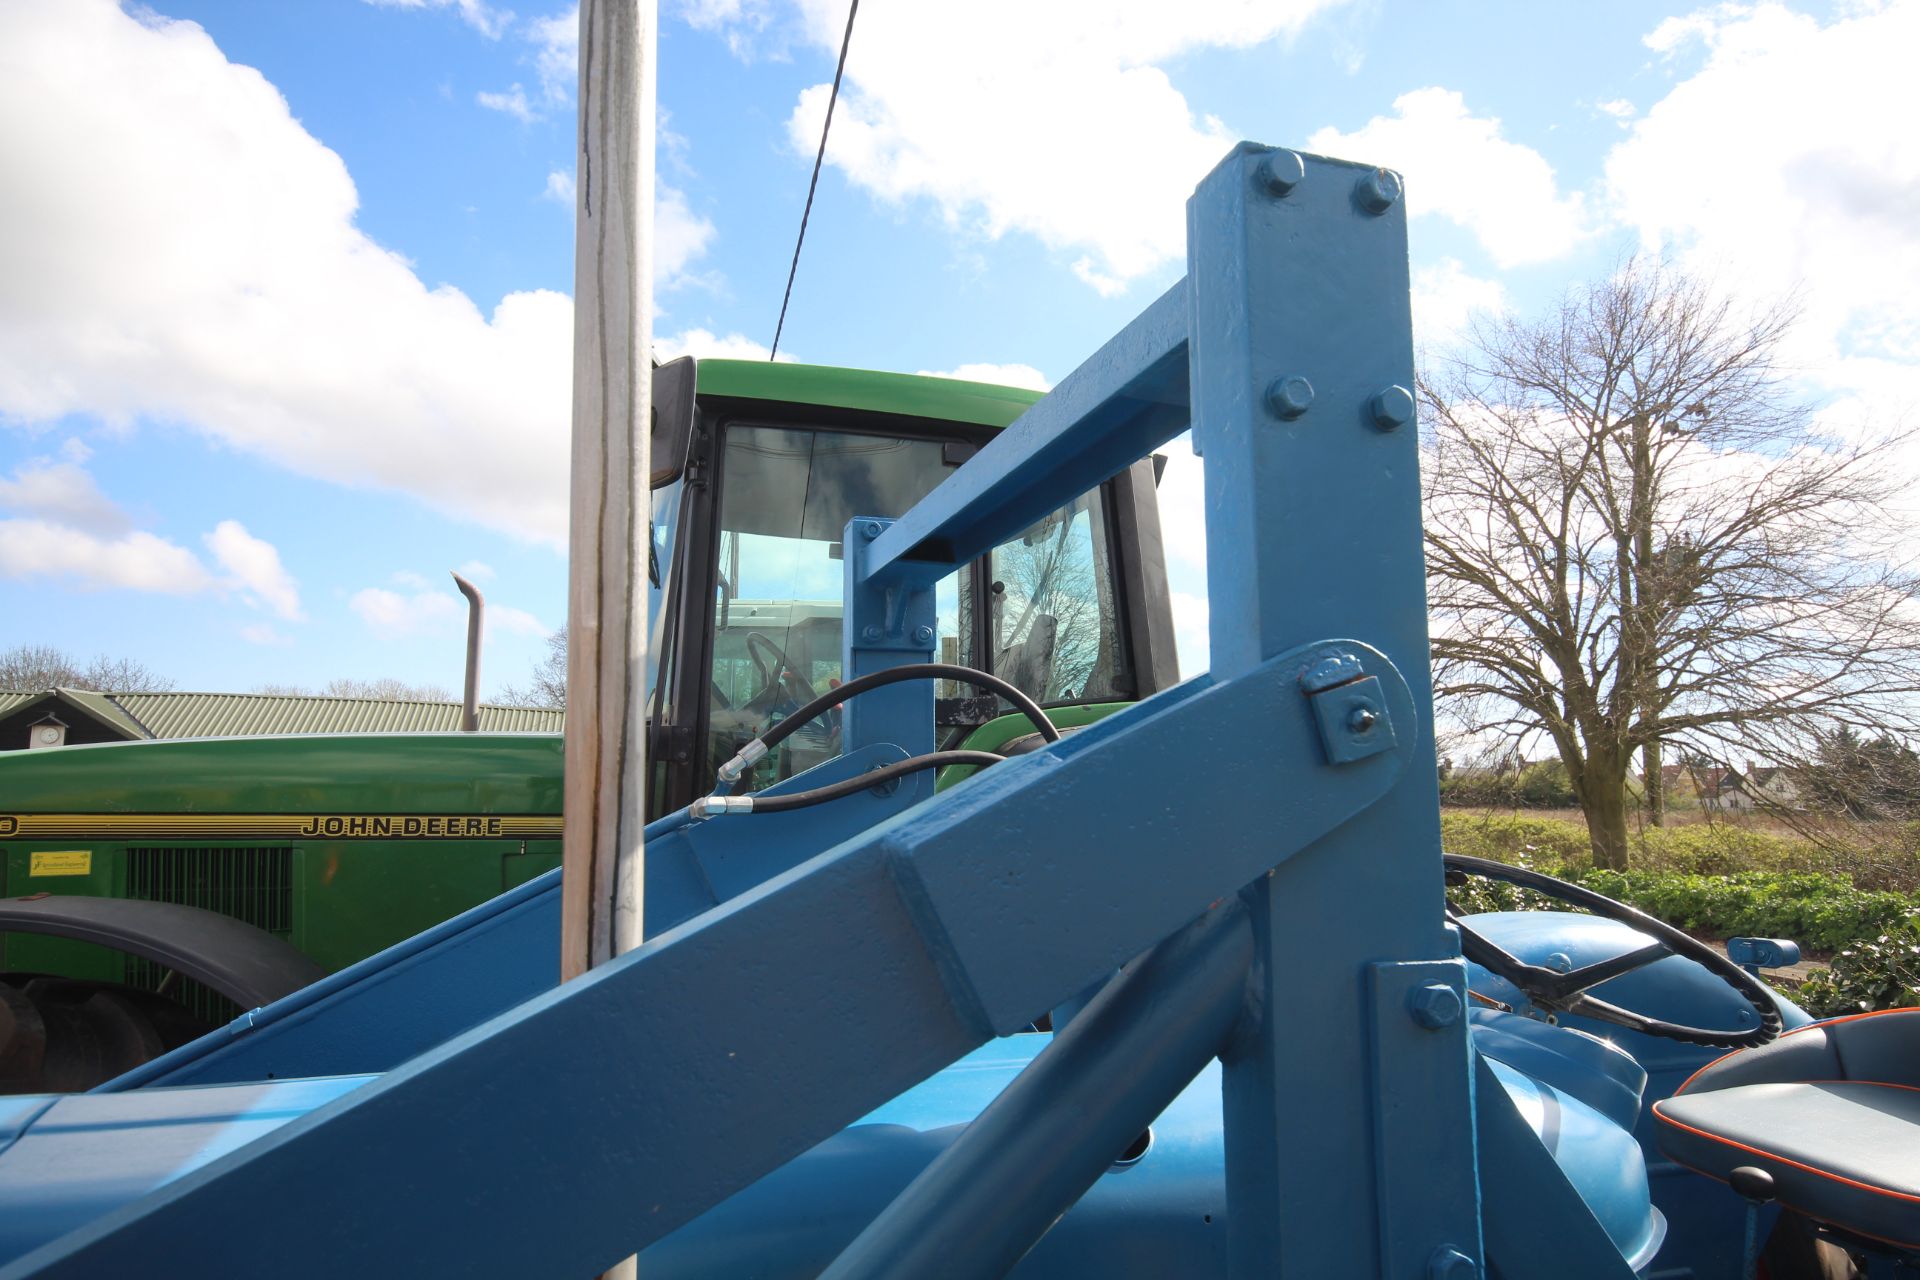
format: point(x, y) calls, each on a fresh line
point(1879, 973)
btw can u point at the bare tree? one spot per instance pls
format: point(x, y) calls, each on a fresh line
point(32, 667)
point(1635, 535)
point(548, 685)
point(386, 689)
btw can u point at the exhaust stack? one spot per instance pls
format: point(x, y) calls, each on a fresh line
point(476, 610)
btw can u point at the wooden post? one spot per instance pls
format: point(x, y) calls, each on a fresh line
point(612, 395)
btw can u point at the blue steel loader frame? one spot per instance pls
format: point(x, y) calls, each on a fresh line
point(1255, 854)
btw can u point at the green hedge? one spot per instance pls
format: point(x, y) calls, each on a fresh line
point(1727, 882)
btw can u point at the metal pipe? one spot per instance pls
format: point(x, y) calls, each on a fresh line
point(1036, 1149)
point(470, 698)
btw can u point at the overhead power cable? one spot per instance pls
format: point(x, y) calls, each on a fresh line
point(833, 97)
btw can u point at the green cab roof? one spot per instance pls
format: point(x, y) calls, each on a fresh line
point(907, 394)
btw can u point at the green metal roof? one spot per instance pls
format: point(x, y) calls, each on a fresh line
point(912, 395)
point(231, 715)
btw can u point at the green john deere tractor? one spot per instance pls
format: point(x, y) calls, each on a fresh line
point(155, 889)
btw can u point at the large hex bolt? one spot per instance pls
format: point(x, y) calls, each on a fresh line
point(1280, 172)
point(1378, 190)
point(1434, 1005)
point(1289, 397)
point(1391, 409)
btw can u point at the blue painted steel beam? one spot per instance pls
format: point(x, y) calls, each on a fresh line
point(1129, 398)
point(887, 623)
point(1036, 1149)
point(1299, 335)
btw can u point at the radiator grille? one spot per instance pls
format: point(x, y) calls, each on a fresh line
point(251, 884)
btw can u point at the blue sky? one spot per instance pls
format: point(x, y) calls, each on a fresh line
point(284, 324)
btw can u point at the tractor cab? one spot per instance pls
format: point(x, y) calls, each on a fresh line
point(757, 468)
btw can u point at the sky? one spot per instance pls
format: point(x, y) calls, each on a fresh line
point(285, 325)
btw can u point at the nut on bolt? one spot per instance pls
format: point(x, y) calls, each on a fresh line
point(1391, 409)
point(870, 529)
point(870, 633)
point(923, 635)
point(1448, 1263)
point(1434, 1005)
point(1378, 190)
point(1362, 719)
point(1281, 171)
point(1289, 397)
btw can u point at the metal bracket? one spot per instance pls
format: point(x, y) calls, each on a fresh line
point(1350, 709)
point(890, 622)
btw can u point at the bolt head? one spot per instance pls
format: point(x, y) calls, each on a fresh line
point(1289, 397)
point(1378, 191)
point(870, 529)
point(1434, 1005)
point(923, 635)
point(1560, 962)
point(870, 633)
point(1280, 171)
point(1392, 408)
point(1448, 1263)
point(1362, 719)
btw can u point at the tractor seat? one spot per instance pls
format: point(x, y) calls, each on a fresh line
point(1830, 1110)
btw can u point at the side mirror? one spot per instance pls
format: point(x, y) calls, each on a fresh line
point(672, 428)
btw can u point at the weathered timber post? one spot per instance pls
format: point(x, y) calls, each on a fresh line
point(612, 396)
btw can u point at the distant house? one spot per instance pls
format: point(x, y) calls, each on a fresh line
point(72, 717)
point(1732, 791)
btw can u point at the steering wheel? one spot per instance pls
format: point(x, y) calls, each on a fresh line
point(777, 676)
point(1567, 992)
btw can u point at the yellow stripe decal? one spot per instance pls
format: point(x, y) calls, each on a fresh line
point(277, 826)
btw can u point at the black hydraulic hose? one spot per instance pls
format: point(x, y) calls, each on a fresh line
point(756, 750)
point(887, 773)
point(716, 806)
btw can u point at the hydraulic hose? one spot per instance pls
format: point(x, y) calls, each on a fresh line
point(733, 773)
point(719, 806)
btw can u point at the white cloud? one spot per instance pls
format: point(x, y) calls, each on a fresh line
point(393, 616)
point(680, 237)
point(988, 119)
point(254, 569)
point(1619, 108)
point(64, 493)
point(176, 246)
point(76, 450)
point(556, 55)
point(482, 17)
point(477, 571)
point(1000, 375)
point(1458, 166)
point(504, 617)
point(56, 523)
point(1811, 185)
point(1192, 642)
point(1183, 533)
point(137, 560)
point(513, 102)
point(560, 187)
point(704, 344)
point(263, 633)
point(1445, 300)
